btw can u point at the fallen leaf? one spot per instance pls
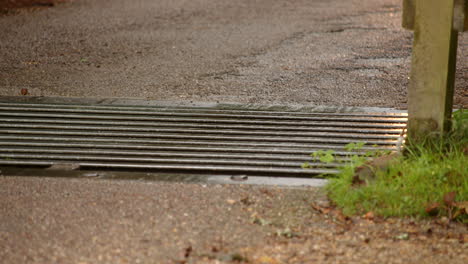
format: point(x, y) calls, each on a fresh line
point(267, 192)
point(463, 206)
point(24, 91)
point(460, 209)
point(463, 238)
point(214, 249)
point(429, 231)
point(188, 251)
point(339, 216)
point(443, 221)
point(412, 230)
point(369, 215)
point(449, 198)
point(432, 209)
point(246, 201)
point(320, 209)
point(266, 260)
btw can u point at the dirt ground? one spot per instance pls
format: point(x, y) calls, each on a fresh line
point(325, 52)
point(46, 220)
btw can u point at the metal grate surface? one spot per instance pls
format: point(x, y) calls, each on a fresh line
point(202, 139)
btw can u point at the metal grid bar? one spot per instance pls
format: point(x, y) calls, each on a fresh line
point(196, 139)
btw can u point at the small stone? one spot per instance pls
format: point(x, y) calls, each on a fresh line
point(239, 177)
point(64, 166)
point(402, 236)
point(91, 174)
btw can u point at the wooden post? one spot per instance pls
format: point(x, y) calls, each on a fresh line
point(432, 78)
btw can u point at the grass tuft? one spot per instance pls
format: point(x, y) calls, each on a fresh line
point(423, 176)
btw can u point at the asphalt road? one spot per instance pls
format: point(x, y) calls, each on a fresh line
point(321, 52)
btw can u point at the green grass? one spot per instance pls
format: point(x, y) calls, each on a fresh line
point(421, 177)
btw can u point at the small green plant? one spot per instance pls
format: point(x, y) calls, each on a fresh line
point(354, 146)
point(356, 157)
point(326, 156)
point(415, 184)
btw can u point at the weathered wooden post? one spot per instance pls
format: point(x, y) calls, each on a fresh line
point(436, 24)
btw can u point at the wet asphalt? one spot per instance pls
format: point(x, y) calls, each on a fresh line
point(320, 52)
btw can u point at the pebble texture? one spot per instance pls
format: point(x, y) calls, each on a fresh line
point(321, 52)
point(60, 220)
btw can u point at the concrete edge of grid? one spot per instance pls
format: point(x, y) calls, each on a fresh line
point(291, 182)
point(225, 105)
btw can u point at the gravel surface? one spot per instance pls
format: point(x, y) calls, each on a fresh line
point(321, 52)
point(48, 220)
